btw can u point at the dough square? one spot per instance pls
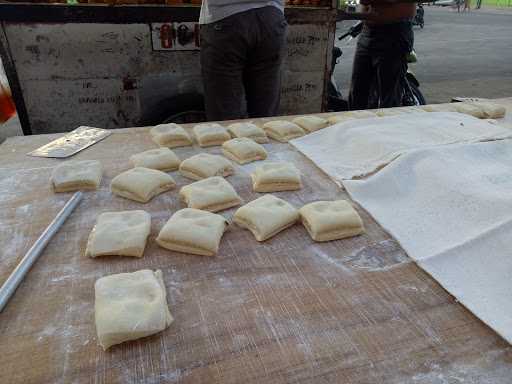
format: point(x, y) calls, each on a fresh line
point(243, 150)
point(119, 234)
point(412, 109)
point(335, 119)
point(450, 107)
point(470, 109)
point(248, 130)
point(331, 220)
point(208, 135)
point(276, 177)
point(311, 123)
point(383, 112)
point(363, 114)
point(170, 135)
point(266, 217)
point(212, 194)
point(129, 306)
point(193, 231)
point(283, 131)
point(141, 184)
point(76, 175)
point(491, 110)
point(162, 159)
point(204, 165)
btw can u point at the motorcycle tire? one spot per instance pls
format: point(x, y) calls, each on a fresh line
point(419, 99)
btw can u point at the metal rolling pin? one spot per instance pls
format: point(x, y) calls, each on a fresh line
point(17, 276)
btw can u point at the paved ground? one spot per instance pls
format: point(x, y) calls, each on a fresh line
point(459, 54)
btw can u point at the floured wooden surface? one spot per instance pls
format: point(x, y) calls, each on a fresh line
point(287, 310)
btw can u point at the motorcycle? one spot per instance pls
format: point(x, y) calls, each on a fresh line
point(419, 19)
point(411, 92)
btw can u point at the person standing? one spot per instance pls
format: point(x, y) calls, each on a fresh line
point(242, 49)
point(467, 5)
point(380, 60)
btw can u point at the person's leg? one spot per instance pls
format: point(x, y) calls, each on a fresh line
point(391, 70)
point(223, 56)
point(262, 74)
point(362, 78)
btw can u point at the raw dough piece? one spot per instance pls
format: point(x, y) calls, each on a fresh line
point(411, 109)
point(243, 150)
point(213, 194)
point(210, 134)
point(276, 177)
point(363, 114)
point(311, 123)
point(193, 231)
point(331, 220)
point(249, 130)
point(170, 135)
point(119, 234)
point(470, 109)
point(439, 107)
point(141, 184)
point(491, 110)
point(162, 159)
point(205, 165)
point(76, 175)
point(283, 131)
point(388, 112)
point(266, 217)
point(129, 306)
point(335, 119)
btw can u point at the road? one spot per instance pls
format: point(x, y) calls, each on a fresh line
point(466, 55)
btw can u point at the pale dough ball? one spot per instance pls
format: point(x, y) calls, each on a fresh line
point(120, 234)
point(266, 217)
point(283, 131)
point(248, 130)
point(193, 231)
point(77, 175)
point(170, 135)
point(162, 159)
point(205, 165)
point(243, 150)
point(211, 134)
point(212, 194)
point(331, 220)
point(311, 123)
point(129, 306)
point(141, 184)
point(276, 177)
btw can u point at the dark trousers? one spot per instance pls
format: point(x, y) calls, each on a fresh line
point(380, 65)
point(241, 59)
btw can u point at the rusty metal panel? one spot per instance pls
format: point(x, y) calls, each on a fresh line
point(109, 75)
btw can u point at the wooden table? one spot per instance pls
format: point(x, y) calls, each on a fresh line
point(284, 311)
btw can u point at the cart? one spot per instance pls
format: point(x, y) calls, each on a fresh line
point(125, 65)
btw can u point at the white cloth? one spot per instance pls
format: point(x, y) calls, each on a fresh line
point(215, 10)
point(359, 147)
point(450, 208)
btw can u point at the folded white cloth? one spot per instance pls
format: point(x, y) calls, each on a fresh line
point(357, 148)
point(450, 208)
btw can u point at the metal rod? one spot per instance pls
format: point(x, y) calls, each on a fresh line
point(17, 276)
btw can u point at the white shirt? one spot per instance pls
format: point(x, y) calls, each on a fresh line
point(215, 10)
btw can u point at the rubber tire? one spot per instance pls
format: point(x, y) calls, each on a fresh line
point(417, 94)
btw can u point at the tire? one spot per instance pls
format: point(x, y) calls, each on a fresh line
point(417, 96)
point(184, 108)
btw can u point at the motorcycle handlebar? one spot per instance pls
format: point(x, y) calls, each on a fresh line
point(354, 31)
